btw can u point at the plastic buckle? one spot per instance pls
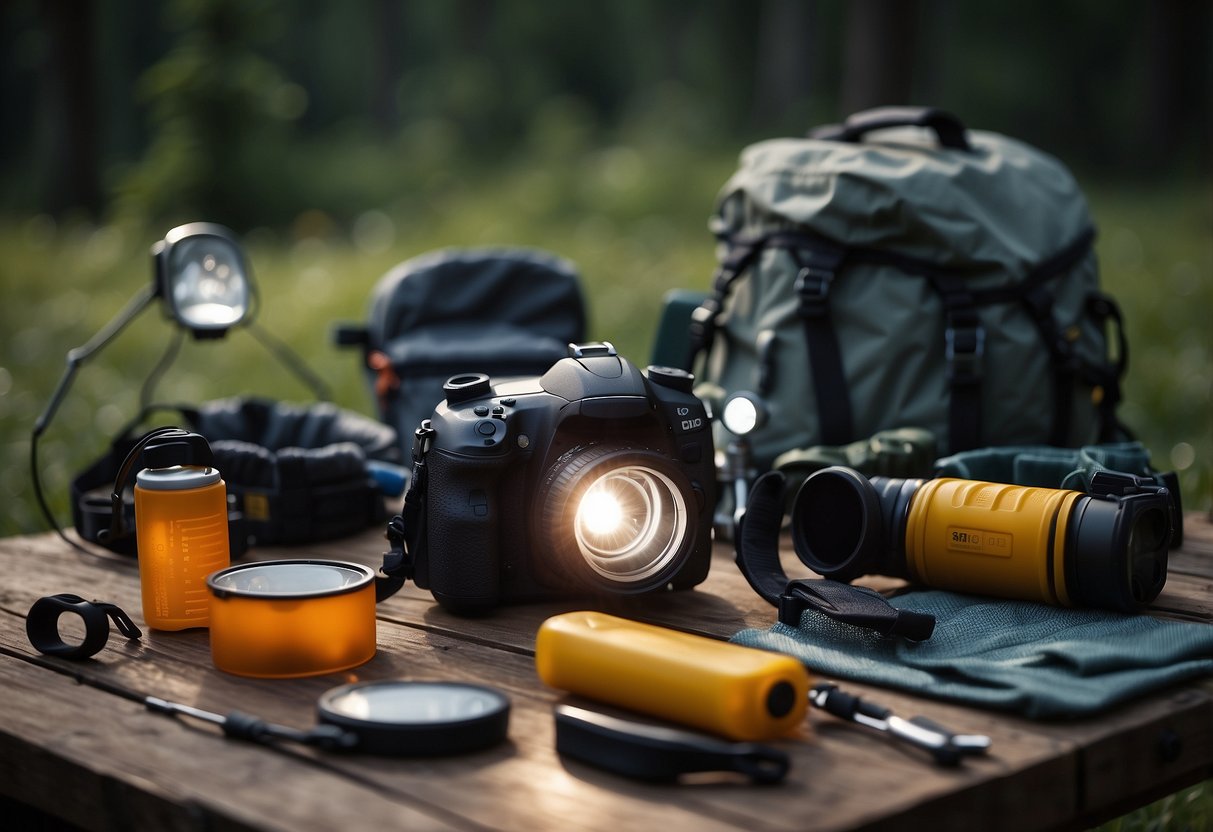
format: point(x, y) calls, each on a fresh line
point(423, 438)
point(1122, 484)
point(703, 322)
point(965, 349)
point(813, 287)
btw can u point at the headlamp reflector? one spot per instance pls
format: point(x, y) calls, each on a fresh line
point(203, 277)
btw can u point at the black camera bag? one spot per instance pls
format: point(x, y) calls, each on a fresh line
point(506, 312)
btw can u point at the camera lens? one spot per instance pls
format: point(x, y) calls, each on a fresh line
point(630, 523)
point(622, 514)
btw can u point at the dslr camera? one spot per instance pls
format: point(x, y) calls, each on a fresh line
point(594, 478)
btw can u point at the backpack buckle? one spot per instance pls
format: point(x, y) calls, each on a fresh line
point(813, 287)
point(965, 349)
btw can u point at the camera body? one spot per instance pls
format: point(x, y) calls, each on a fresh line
point(593, 478)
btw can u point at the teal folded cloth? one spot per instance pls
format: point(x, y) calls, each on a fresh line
point(1047, 466)
point(1040, 661)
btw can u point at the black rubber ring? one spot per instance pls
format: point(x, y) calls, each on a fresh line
point(42, 626)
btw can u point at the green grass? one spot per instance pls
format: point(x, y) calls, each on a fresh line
point(1189, 810)
point(633, 221)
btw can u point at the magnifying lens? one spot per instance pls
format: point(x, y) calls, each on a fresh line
point(417, 718)
point(387, 718)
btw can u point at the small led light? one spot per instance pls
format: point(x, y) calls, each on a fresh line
point(742, 414)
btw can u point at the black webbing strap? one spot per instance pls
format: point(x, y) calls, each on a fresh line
point(1107, 378)
point(405, 529)
point(964, 349)
point(741, 251)
point(1039, 301)
point(757, 540)
point(757, 550)
point(819, 262)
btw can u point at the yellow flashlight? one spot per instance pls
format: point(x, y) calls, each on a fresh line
point(735, 691)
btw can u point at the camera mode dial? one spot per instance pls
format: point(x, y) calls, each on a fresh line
point(671, 377)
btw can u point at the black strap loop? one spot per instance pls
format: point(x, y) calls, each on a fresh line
point(948, 128)
point(42, 625)
point(854, 605)
point(757, 556)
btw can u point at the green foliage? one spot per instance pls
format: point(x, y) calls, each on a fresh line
point(217, 110)
point(632, 215)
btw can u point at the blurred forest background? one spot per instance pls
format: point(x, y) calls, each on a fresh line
point(341, 138)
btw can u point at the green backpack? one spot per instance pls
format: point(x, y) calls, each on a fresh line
point(899, 270)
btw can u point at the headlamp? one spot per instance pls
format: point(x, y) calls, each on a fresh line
point(204, 281)
point(202, 276)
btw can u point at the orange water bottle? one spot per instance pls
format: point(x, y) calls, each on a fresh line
point(181, 528)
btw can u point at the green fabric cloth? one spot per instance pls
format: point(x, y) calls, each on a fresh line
point(1043, 662)
point(1046, 466)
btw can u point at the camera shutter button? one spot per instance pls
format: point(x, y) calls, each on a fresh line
point(486, 427)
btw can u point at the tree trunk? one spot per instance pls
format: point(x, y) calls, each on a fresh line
point(878, 55)
point(74, 180)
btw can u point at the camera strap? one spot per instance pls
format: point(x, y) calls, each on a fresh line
point(404, 530)
point(757, 548)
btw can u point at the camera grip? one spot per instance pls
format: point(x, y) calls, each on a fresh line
point(463, 522)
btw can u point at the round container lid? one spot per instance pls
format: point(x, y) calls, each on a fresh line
point(290, 579)
point(400, 718)
point(176, 478)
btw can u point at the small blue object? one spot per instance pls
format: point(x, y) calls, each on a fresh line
point(390, 478)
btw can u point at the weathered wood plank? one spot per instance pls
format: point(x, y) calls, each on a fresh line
point(843, 777)
point(102, 762)
point(177, 666)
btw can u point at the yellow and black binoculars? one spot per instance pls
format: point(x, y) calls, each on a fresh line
point(1104, 548)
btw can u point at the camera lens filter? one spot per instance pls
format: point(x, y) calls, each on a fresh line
point(417, 719)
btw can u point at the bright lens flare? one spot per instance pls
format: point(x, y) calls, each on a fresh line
point(631, 524)
point(601, 512)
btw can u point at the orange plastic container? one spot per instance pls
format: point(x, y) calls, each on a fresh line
point(181, 528)
point(291, 618)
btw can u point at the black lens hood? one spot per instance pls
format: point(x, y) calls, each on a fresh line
point(1116, 550)
point(837, 524)
point(845, 525)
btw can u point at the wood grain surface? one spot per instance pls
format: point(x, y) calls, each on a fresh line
point(101, 761)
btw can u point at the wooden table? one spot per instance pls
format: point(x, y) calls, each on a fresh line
point(101, 761)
